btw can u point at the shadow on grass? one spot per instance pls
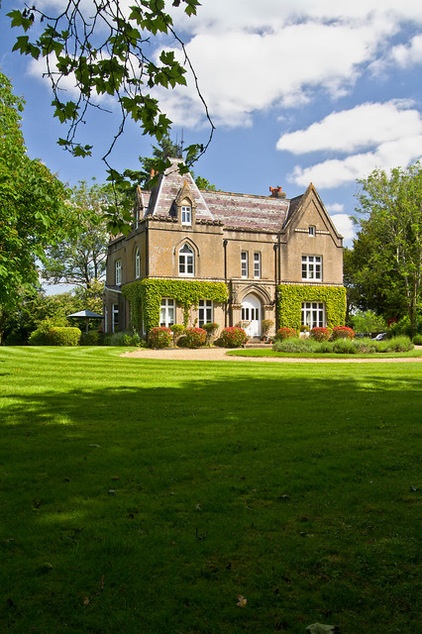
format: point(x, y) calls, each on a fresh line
point(147, 508)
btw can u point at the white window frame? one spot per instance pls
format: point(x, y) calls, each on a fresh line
point(118, 272)
point(137, 263)
point(312, 267)
point(313, 314)
point(205, 312)
point(244, 264)
point(312, 231)
point(167, 312)
point(114, 317)
point(186, 215)
point(186, 261)
point(257, 265)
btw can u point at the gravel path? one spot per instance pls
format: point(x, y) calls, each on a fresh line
point(219, 354)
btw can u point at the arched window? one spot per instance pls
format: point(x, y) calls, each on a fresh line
point(186, 261)
point(137, 263)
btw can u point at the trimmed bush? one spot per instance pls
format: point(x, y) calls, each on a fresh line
point(91, 338)
point(194, 338)
point(232, 337)
point(417, 340)
point(123, 339)
point(286, 333)
point(320, 334)
point(177, 330)
point(160, 337)
point(342, 332)
point(64, 336)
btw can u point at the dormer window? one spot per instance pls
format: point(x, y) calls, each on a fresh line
point(186, 212)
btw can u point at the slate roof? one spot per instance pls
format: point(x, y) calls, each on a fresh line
point(242, 212)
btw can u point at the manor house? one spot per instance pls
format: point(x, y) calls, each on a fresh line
point(197, 256)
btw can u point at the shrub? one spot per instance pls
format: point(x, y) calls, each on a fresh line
point(417, 340)
point(64, 336)
point(195, 337)
point(211, 329)
point(39, 337)
point(365, 345)
point(90, 338)
point(232, 337)
point(286, 333)
point(342, 332)
point(294, 345)
point(397, 344)
point(320, 334)
point(267, 324)
point(177, 330)
point(160, 337)
point(367, 321)
point(344, 346)
point(123, 339)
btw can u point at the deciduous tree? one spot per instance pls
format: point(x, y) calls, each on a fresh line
point(80, 258)
point(32, 209)
point(387, 255)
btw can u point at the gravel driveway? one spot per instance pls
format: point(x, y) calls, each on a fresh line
point(219, 354)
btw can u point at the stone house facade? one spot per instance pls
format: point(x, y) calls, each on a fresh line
point(251, 246)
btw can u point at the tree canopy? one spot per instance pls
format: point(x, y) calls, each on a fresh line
point(386, 261)
point(105, 47)
point(32, 209)
point(80, 257)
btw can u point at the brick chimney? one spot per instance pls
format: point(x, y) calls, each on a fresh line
point(277, 192)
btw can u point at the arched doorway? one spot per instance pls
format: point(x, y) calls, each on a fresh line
point(251, 312)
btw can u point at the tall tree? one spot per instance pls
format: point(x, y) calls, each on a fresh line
point(32, 208)
point(80, 258)
point(388, 250)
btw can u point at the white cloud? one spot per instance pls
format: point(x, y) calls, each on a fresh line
point(220, 15)
point(367, 125)
point(241, 73)
point(344, 225)
point(391, 132)
point(405, 55)
point(335, 208)
point(337, 172)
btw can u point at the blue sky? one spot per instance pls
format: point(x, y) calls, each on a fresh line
point(300, 91)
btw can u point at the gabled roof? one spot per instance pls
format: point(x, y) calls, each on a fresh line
point(170, 184)
point(297, 203)
point(247, 212)
point(242, 212)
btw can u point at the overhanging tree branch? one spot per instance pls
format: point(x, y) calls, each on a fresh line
point(104, 52)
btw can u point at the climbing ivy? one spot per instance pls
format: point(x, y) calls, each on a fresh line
point(291, 297)
point(145, 298)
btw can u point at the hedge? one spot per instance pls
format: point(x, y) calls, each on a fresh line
point(291, 297)
point(145, 298)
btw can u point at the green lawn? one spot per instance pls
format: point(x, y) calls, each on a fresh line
point(143, 496)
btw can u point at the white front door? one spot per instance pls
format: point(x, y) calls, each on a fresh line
point(251, 312)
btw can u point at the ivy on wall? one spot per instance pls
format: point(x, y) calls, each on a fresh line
point(145, 298)
point(291, 297)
